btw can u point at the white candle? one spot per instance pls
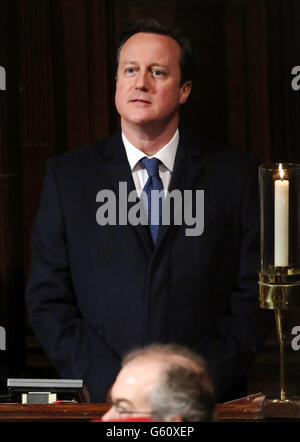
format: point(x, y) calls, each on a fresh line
point(281, 221)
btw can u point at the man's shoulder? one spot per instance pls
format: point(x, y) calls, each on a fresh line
point(83, 158)
point(218, 153)
point(80, 155)
point(232, 157)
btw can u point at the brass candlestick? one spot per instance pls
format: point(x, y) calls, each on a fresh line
point(280, 327)
point(279, 279)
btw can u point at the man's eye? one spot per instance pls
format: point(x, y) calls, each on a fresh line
point(121, 410)
point(158, 73)
point(129, 70)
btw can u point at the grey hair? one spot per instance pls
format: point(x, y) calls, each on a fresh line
point(185, 388)
point(181, 392)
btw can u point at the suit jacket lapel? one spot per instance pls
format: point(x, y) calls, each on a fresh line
point(118, 170)
point(187, 167)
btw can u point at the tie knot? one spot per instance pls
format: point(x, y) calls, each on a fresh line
point(151, 165)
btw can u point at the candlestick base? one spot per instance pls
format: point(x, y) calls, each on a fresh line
point(275, 408)
point(279, 291)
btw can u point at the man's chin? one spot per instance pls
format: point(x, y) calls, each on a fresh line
point(140, 120)
point(146, 122)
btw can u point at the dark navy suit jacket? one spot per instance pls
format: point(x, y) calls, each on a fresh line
point(97, 291)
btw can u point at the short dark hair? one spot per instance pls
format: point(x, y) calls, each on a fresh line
point(188, 62)
point(185, 388)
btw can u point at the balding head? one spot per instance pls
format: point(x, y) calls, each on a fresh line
point(168, 382)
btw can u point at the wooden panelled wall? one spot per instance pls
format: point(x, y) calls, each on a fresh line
point(262, 46)
point(59, 57)
point(11, 238)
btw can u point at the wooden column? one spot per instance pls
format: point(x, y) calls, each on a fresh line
point(284, 54)
point(87, 94)
point(247, 75)
point(36, 105)
point(38, 128)
point(11, 278)
point(262, 47)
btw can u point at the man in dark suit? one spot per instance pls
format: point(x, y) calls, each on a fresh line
point(96, 291)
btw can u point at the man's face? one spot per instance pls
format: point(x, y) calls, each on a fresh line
point(130, 392)
point(148, 80)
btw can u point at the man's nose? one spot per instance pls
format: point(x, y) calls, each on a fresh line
point(142, 82)
point(109, 415)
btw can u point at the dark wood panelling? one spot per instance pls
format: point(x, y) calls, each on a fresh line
point(11, 276)
point(36, 105)
point(11, 246)
point(74, 22)
point(206, 111)
point(284, 54)
point(293, 48)
point(236, 75)
point(262, 48)
point(36, 78)
point(60, 55)
point(84, 71)
point(247, 74)
point(98, 35)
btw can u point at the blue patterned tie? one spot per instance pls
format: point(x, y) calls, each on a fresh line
point(154, 183)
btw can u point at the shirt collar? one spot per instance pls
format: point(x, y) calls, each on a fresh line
point(166, 154)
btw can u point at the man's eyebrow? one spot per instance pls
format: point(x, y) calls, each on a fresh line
point(128, 62)
point(121, 400)
point(162, 65)
point(151, 65)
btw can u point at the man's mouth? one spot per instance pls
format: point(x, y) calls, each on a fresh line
point(139, 100)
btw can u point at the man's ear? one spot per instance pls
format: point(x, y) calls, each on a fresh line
point(185, 91)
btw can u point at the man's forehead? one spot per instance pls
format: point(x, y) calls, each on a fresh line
point(139, 375)
point(140, 370)
point(144, 364)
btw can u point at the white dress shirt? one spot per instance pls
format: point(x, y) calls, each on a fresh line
point(166, 155)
